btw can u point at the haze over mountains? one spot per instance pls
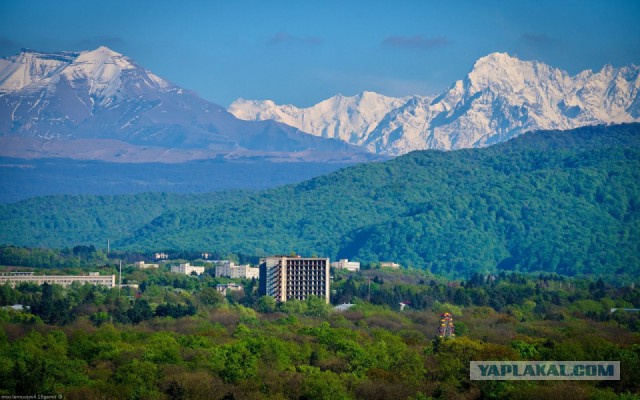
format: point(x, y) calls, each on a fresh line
point(95, 122)
point(502, 97)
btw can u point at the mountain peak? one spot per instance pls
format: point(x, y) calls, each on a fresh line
point(496, 57)
point(494, 62)
point(105, 49)
point(100, 104)
point(34, 69)
point(30, 66)
point(370, 95)
point(104, 55)
point(504, 72)
point(500, 98)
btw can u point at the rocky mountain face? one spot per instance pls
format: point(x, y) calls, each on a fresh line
point(502, 97)
point(101, 105)
point(351, 119)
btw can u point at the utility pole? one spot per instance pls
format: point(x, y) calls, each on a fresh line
point(120, 280)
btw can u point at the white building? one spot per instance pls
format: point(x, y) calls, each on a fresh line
point(346, 264)
point(230, 270)
point(186, 269)
point(343, 307)
point(389, 264)
point(93, 278)
point(143, 265)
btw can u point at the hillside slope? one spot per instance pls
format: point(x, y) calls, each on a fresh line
point(566, 202)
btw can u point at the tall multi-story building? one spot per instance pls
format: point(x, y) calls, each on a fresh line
point(286, 277)
point(230, 270)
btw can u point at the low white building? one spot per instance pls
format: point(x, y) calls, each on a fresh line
point(186, 269)
point(346, 264)
point(343, 307)
point(143, 265)
point(93, 278)
point(230, 270)
point(16, 307)
point(389, 264)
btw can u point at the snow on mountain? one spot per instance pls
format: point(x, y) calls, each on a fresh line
point(112, 107)
point(102, 69)
point(105, 71)
point(49, 95)
point(30, 67)
point(501, 97)
point(351, 119)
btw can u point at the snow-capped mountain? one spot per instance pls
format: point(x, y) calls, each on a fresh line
point(113, 109)
point(351, 119)
point(500, 98)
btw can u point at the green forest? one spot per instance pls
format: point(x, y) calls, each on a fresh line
point(563, 202)
point(178, 337)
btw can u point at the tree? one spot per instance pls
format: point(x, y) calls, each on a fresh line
point(239, 363)
point(175, 391)
point(138, 379)
point(266, 304)
point(210, 296)
point(46, 306)
point(141, 311)
point(316, 307)
point(323, 385)
point(99, 318)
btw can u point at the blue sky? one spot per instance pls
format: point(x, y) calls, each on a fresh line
point(301, 52)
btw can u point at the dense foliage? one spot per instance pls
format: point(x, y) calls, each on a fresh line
point(66, 221)
point(564, 202)
point(177, 337)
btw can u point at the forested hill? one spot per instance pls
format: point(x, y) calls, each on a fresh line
point(566, 202)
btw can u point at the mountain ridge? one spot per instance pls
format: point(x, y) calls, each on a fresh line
point(554, 201)
point(500, 98)
point(105, 97)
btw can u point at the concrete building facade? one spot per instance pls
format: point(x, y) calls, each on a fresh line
point(143, 265)
point(346, 264)
point(285, 277)
point(186, 269)
point(63, 280)
point(230, 270)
